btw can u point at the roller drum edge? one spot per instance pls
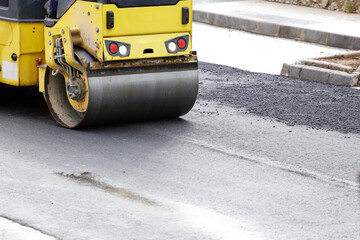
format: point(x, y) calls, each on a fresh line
point(134, 97)
point(127, 97)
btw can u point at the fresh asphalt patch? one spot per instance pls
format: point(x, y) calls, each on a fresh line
point(288, 100)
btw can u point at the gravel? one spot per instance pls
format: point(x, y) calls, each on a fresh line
point(287, 100)
point(291, 101)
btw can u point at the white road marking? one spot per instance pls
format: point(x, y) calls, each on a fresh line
point(13, 231)
point(222, 226)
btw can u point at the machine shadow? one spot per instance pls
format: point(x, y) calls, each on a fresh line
point(172, 123)
point(359, 188)
point(24, 101)
point(28, 102)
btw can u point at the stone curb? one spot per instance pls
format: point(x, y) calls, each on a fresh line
point(277, 30)
point(322, 75)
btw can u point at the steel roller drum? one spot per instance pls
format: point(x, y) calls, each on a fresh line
point(125, 97)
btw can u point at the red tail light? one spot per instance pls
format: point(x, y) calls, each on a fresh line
point(113, 48)
point(181, 43)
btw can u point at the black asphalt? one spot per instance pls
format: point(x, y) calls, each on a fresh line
point(215, 173)
point(291, 101)
point(287, 100)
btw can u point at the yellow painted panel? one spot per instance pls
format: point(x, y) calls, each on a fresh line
point(9, 68)
point(147, 20)
point(32, 37)
point(27, 43)
point(10, 82)
point(86, 16)
point(42, 72)
point(6, 33)
point(28, 72)
point(90, 18)
point(140, 43)
point(64, 33)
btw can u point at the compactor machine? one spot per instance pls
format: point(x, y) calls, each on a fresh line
point(101, 60)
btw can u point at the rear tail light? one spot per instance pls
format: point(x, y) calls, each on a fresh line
point(118, 48)
point(172, 46)
point(179, 44)
point(123, 50)
point(113, 48)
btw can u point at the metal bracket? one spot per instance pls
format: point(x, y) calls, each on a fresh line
point(110, 19)
point(185, 15)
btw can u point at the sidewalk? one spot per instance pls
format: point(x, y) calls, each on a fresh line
point(330, 28)
point(253, 52)
point(305, 24)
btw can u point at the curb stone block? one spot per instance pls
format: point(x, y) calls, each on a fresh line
point(268, 29)
point(240, 23)
point(314, 74)
point(341, 78)
point(316, 37)
point(291, 70)
point(322, 75)
point(356, 43)
point(337, 40)
point(200, 17)
point(250, 26)
point(210, 17)
point(285, 70)
point(222, 21)
point(295, 71)
point(290, 32)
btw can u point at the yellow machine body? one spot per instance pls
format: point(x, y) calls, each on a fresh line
point(142, 27)
point(83, 81)
point(20, 45)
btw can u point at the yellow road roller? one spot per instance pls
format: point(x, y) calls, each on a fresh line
point(101, 61)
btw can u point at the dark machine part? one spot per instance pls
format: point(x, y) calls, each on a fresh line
point(142, 3)
point(53, 8)
point(22, 10)
point(34, 11)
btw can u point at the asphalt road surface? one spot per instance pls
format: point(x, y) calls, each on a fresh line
point(259, 157)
